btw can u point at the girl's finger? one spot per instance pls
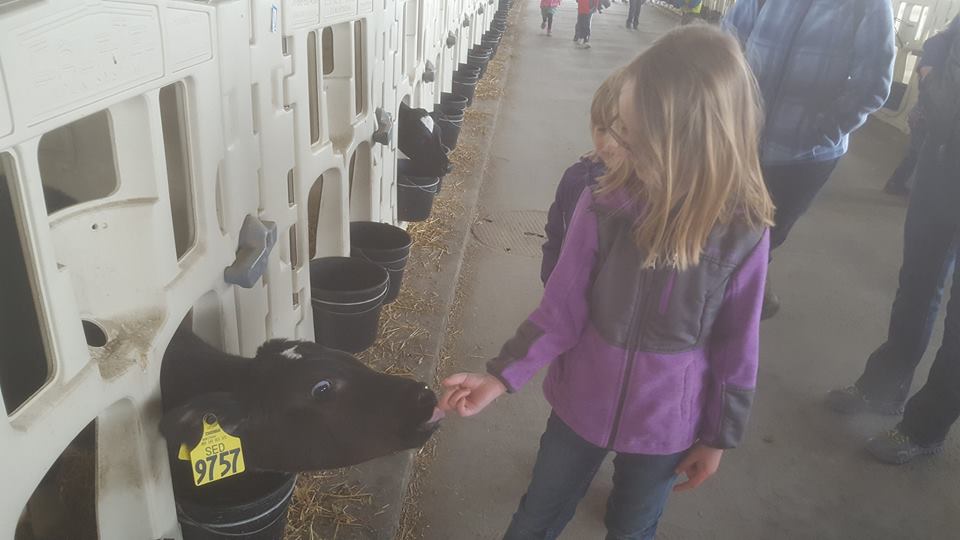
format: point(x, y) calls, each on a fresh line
point(459, 395)
point(452, 396)
point(466, 409)
point(444, 403)
point(456, 379)
point(695, 476)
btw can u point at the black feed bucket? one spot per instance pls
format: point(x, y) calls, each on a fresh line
point(384, 245)
point(465, 87)
point(488, 50)
point(479, 59)
point(255, 508)
point(347, 295)
point(453, 100)
point(452, 111)
point(468, 70)
point(449, 130)
point(415, 194)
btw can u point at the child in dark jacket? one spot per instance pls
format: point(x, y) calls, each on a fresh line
point(650, 321)
point(584, 173)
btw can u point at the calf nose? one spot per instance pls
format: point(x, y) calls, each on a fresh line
point(426, 397)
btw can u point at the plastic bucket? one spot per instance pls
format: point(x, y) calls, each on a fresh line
point(453, 100)
point(479, 59)
point(347, 295)
point(468, 70)
point(415, 194)
point(255, 508)
point(468, 74)
point(453, 111)
point(465, 87)
point(384, 245)
point(449, 130)
point(489, 50)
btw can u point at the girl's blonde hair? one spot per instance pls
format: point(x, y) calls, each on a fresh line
point(693, 158)
point(603, 109)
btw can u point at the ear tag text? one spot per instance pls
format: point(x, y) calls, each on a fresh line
point(219, 454)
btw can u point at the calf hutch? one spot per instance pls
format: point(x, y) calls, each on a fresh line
point(168, 171)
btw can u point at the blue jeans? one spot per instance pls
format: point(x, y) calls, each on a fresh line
point(930, 255)
point(566, 464)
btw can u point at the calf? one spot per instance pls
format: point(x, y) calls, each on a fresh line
point(296, 406)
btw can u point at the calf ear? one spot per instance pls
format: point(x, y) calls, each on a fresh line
point(184, 424)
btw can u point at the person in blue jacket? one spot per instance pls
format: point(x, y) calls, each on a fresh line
point(823, 67)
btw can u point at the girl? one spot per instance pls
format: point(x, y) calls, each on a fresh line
point(584, 173)
point(581, 35)
point(548, 8)
point(651, 317)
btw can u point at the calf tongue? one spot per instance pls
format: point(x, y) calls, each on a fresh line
point(437, 416)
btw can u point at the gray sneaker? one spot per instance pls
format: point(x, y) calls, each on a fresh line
point(897, 448)
point(852, 400)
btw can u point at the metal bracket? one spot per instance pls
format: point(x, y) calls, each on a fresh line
point(480, 9)
point(451, 39)
point(384, 133)
point(429, 72)
point(257, 239)
point(466, 21)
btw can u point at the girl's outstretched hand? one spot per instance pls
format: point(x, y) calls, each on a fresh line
point(700, 464)
point(470, 393)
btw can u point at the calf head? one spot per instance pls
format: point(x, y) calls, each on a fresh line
point(298, 406)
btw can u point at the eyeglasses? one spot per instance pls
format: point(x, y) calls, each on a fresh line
point(616, 130)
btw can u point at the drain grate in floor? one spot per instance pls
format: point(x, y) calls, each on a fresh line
point(518, 232)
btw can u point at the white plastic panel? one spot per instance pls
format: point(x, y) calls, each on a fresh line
point(171, 121)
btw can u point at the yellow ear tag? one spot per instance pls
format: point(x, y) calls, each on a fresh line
point(219, 454)
point(184, 454)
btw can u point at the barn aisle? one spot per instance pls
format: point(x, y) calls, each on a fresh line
point(801, 472)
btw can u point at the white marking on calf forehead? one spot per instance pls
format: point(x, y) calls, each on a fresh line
point(292, 353)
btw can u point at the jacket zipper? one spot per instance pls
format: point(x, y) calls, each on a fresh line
point(632, 338)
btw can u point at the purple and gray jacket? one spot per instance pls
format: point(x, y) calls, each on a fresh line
point(645, 361)
point(578, 176)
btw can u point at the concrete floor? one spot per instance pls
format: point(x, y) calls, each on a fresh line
point(801, 472)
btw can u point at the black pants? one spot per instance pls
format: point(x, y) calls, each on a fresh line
point(902, 174)
point(582, 30)
point(633, 15)
point(793, 187)
point(930, 254)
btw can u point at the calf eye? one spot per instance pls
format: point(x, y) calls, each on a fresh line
point(321, 388)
